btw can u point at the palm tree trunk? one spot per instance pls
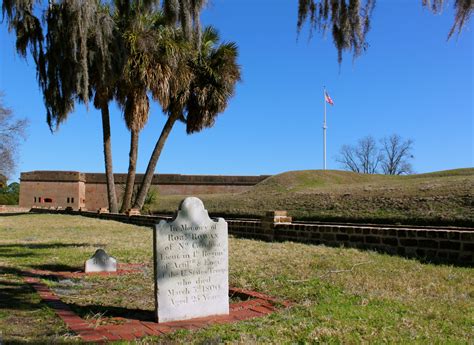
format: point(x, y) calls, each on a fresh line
point(150, 170)
point(111, 196)
point(132, 169)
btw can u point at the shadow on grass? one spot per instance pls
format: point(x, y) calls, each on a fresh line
point(16, 255)
point(13, 214)
point(57, 268)
point(15, 271)
point(16, 295)
point(5, 270)
point(19, 250)
point(88, 311)
point(112, 312)
point(38, 341)
point(11, 246)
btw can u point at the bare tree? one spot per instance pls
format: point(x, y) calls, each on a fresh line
point(11, 131)
point(363, 158)
point(368, 155)
point(396, 154)
point(348, 159)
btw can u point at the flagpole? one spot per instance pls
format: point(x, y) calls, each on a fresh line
point(324, 130)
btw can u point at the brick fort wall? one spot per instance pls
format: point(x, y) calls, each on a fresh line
point(52, 189)
point(89, 190)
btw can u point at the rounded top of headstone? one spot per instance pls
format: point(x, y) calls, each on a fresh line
point(101, 262)
point(193, 208)
point(100, 253)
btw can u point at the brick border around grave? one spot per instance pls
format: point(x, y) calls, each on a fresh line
point(256, 305)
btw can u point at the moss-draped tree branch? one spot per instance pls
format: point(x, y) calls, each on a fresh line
point(349, 20)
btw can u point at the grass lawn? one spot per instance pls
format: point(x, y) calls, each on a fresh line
point(340, 295)
point(443, 197)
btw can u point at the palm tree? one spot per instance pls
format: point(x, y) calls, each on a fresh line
point(213, 74)
point(132, 92)
point(153, 51)
point(136, 115)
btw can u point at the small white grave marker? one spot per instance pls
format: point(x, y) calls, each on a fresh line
point(191, 265)
point(101, 262)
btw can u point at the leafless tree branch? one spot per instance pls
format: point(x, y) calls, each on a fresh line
point(363, 158)
point(11, 131)
point(396, 154)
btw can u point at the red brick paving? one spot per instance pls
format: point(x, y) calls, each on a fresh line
point(260, 305)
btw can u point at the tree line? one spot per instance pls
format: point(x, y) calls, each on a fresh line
point(392, 157)
point(9, 194)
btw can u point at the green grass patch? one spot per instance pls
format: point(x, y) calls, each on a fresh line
point(340, 295)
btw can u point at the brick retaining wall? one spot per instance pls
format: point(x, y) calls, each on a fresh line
point(443, 245)
point(13, 209)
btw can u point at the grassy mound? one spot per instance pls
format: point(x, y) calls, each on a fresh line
point(443, 197)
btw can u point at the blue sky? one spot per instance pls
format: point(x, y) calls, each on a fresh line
point(411, 81)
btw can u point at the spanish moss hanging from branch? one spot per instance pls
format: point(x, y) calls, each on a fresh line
point(463, 10)
point(349, 20)
point(63, 55)
point(187, 13)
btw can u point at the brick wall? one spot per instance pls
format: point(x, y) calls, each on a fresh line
point(96, 195)
point(195, 189)
point(247, 229)
point(92, 189)
point(13, 209)
point(52, 194)
point(449, 245)
point(53, 176)
point(174, 179)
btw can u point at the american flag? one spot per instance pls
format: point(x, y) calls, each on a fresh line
point(327, 98)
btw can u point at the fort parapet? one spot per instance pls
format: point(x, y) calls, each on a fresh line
point(89, 190)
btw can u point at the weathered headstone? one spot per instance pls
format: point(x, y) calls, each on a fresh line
point(101, 262)
point(191, 265)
